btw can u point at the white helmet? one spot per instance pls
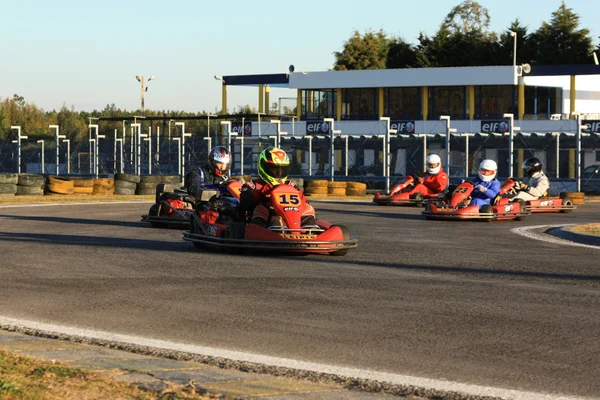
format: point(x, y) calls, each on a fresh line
point(487, 170)
point(434, 164)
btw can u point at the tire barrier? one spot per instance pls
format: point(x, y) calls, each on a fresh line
point(127, 177)
point(333, 191)
point(29, 191)
point(31, 180)
point(356, 192)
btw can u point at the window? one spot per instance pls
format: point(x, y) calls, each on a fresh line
point(494, 101)
point(360, 104)
point(447, 100)
point(402, 103)
point(541, 102)
point(318, 104)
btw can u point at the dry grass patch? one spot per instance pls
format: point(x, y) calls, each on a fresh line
point(28, 378)
point(588, 229)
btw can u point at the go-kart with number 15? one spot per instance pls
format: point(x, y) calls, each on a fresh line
point(236, 234)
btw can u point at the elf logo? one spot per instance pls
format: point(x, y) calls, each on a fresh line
point(317, 127)
point(405, 127)
point(591, 126)
point(495, 126)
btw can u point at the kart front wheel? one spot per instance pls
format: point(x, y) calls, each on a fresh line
point(345, 236)
point(522, 208)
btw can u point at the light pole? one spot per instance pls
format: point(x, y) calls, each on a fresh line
point(178, 140)
point(511, 140)
point(68, 142)
point(144, 89)
point(277, 124)
point(90, 139)
point(514, 34)
point(149, 140)
point(18, 142)
point(182, 147)
point(387, 152)
point(96, 148)
point(57, 138)
point(332, 133)
point(42, 142)
point(449, 131)
point(223, 94)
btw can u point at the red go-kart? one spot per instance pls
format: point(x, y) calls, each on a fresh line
point(405, 195)
point(544, 204)
point(229, 229)
point(173, 208)
point(456, 207)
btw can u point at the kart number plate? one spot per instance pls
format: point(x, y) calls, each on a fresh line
point(298, 236)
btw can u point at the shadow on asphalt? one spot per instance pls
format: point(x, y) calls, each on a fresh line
point(97, 241)
point(377, 214)
point(145, 244)
point(78, 221)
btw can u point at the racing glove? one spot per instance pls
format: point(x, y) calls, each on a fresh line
point(481, 188)
point(248, 186)
point(523, 187)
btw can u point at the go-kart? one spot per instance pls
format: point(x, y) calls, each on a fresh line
point(544, 204)
point(455, 206)
point(405, 195)
point(228, 228)
point(173, 208)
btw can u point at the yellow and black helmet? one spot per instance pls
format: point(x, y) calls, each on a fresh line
point(273, 166)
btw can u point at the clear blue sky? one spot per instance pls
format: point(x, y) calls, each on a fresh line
point(86, 54)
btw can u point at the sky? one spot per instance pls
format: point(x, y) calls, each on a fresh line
point(86, 54)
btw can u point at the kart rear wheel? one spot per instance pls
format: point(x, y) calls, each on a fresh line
point(345, 236)
point(194, 228)
point(567, 202)
point(522, 208)
point(235, 230)
point(418, 198)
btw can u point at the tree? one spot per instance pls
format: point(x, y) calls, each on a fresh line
point(560, 41)
point(506, 44)
point(369, 51)
point(401, 54)
point(467, 17)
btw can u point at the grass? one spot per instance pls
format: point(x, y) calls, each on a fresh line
point(588, 229)
point(28, 378)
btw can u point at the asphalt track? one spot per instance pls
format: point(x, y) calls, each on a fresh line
point(469, 302)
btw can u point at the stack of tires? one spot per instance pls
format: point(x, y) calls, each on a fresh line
point(315, 187)
point(336, 188)
point(147, 185)
point(8, 184)
point(104, 187)
point(126, 184)
point(83, 186)
point(356, 189)
point(578, 198)
point(30, 185)
point(58, 185)
point(299, 183)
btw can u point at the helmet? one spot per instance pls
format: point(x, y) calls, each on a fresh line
point(221, 155)
point(532, 166)
point(434, 164)
point(273, 165)
point(487, 170)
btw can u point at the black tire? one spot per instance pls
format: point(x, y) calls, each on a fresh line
point(12, 179)
point(155, 179)
point(153, 212)
point(486, 209)
point(345, 236)
point(124, 191)
point(173, 179)
point(125, 184)
point(31, 180)
point(522, 207)
point(127, 177)
point(567, 202)
point(29, 191)
point(9, 188)
point(145, 192)
point(194, 229)
point(417, 197)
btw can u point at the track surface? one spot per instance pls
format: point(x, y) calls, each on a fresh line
point(463, 301)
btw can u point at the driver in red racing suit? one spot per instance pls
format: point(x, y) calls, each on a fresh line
point(434, 181)
point(273, 166)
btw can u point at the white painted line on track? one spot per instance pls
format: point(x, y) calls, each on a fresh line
point(397, 379)
point(525, 231)
point(77, 204)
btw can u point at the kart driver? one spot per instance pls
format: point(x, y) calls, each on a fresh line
point(486, 185)
point(434, 181)
point(537, 183)
point(273, 166)
point(216, 171)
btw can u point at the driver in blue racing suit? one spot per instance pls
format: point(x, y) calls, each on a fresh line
point(486, 185)
point(216, 171)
